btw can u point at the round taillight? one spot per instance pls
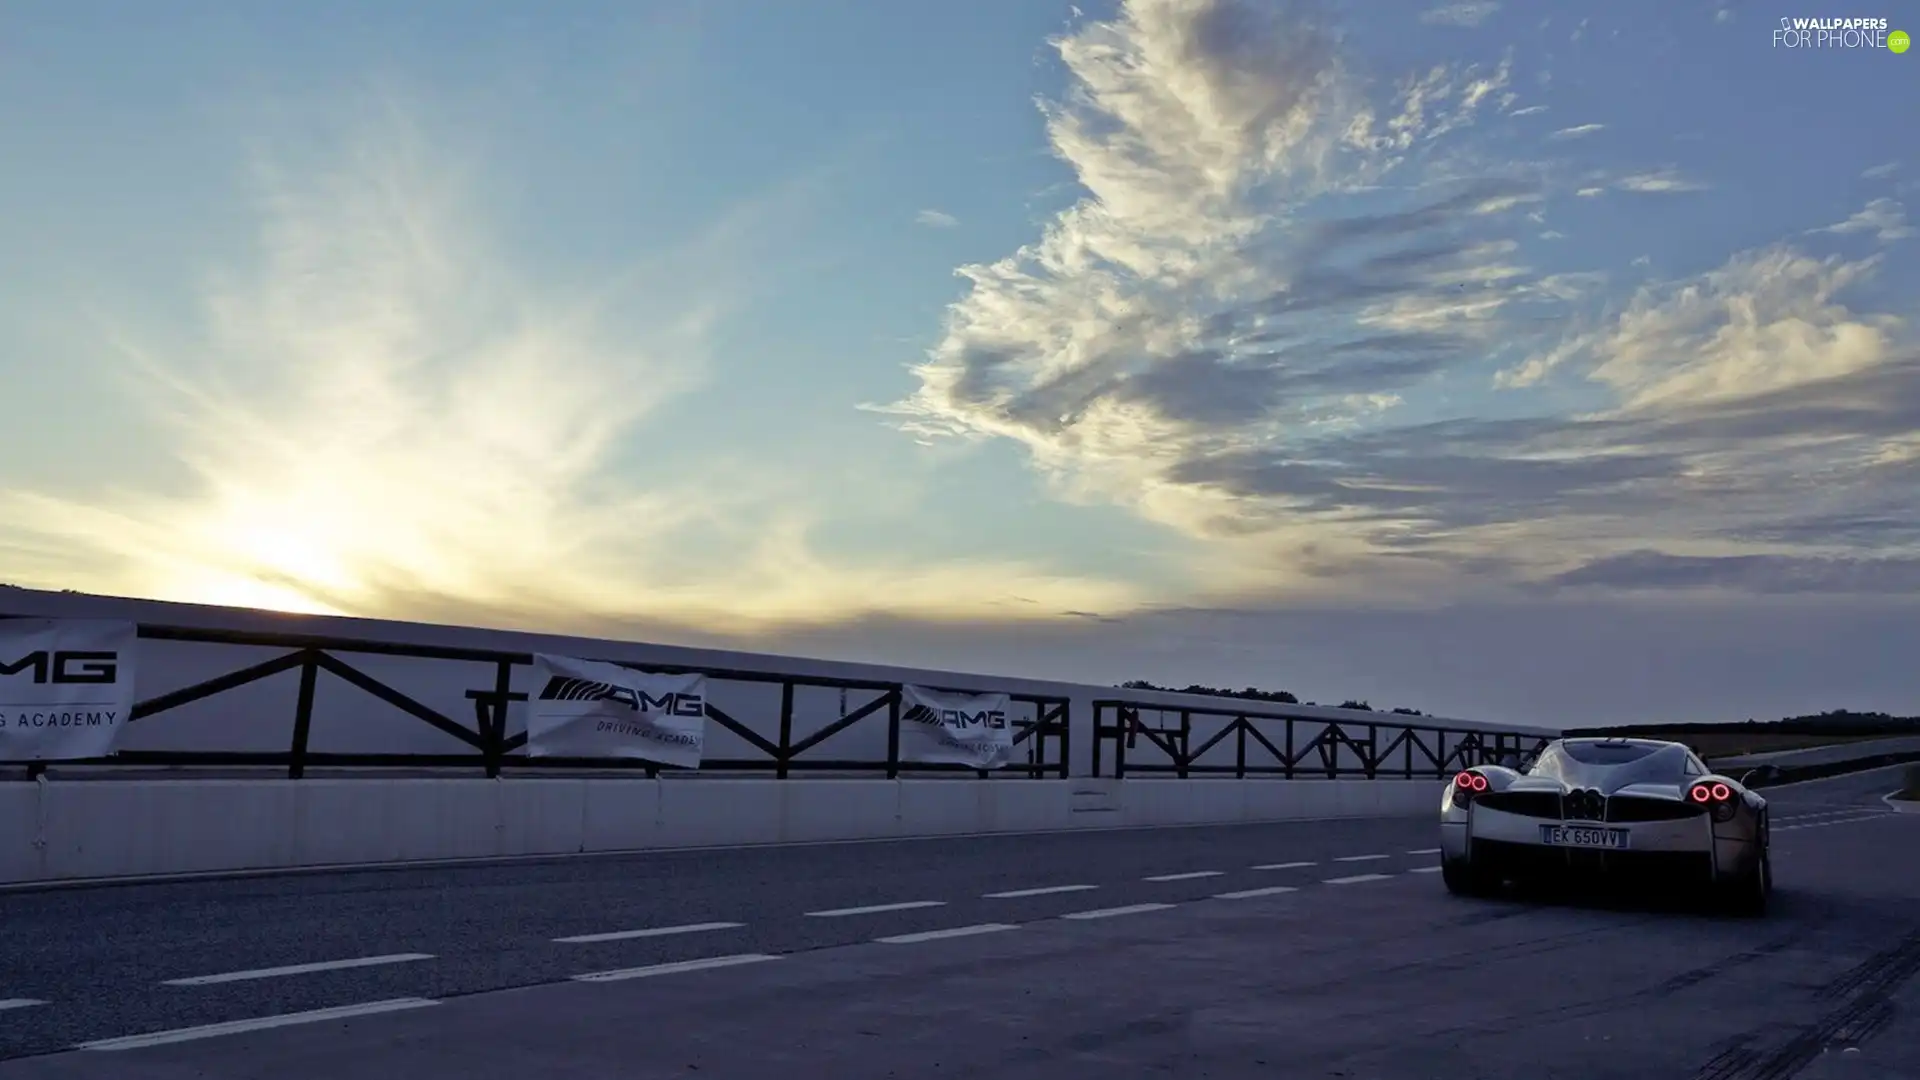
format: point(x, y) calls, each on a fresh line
point(1701, 793)
point(1464, 780)
point(1479, 782)
point(1721, 793)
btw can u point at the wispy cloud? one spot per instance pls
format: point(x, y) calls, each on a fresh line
point(386, 418)
point(1885, 218)
point(1577, 132)
point(1471, 13)
point(1220, 338)
point(1529, 110)
point(1882, 171)
point(1659, 181)
point(936, 219)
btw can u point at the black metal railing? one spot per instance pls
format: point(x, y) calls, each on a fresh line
point(1044, 734)
point(1270, 743)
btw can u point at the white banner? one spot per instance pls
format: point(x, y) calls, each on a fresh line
point(938, 728)
point(586, 708)
point(66, 687)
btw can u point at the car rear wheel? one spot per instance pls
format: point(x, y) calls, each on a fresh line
point(1462, 878)
point(1748, 893)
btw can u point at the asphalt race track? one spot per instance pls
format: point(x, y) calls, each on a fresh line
point(1298, 950)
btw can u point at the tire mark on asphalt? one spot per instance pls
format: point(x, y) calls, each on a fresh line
point(1869, 988)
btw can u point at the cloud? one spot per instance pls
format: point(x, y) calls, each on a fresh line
point(936, 219)
point(1763, 574)
point(1469, 14)
point(1658, 181)
point(1885, 218)
point(1577, 132)
point(384, 417)
point(1881, 172)
point(1269, 263)
point(1529, 110)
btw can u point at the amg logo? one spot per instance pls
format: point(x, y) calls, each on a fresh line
point(956, 718)
point(568, 688)
point(67, 667)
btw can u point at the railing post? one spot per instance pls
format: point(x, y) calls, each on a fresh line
point(1128, 718)
point(302, 716)
point(786, 728)
point(1373, 751)
point(893, 734)
point(1066, 740)
point(1290, 754)
point(1240, 747)
point(1186, 744)
point(1099, 734)
point(495, 737)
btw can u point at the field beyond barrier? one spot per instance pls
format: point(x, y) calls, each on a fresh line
point(67, 831)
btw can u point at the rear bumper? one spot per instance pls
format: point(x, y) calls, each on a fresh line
point(1517, 860)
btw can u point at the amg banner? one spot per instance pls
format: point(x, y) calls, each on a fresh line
point(591, 709)
point(66, 687)
point(939, 728)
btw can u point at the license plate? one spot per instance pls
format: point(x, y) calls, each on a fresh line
point(1583, 836)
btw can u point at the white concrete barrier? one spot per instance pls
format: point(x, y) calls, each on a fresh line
point(66, 831)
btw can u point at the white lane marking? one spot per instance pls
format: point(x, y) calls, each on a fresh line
point(19, 1003)
point(875, 909)
point(1798, 818)
point(1425, 851)
point(235, 1027)
point(1282, 865)
point(938, 935)
point(1248, 894)
point(1424, 870)
point(1838, 821)
point(1355, 879)
point(1046, 891)
point(652, 931)
point(298, 969)
point(1108, 913)
point(1358, 858)
point(674, 968)
point(1185, 877)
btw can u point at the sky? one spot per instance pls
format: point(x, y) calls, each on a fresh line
point(1546, 363)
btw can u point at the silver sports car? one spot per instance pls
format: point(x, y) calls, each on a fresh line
point(1609, 809)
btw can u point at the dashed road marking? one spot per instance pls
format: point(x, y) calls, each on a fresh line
point(298, 969)
point(651, 931)
point(1249, 894)
point(1425, 851)
point(1358, 858)
point(675, 968)
point(1855, 820)
point(1108, 913)
point(1189, 876)
point(235, 1027)
point(1424, 870)
point(1356, 879)
point(952, 932)
point(1048, 890)
point(875, 909)
point(19, 1003)
point(1282, 866)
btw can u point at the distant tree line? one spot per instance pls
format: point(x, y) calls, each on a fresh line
point(1831, 722)
point(1281, 697)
